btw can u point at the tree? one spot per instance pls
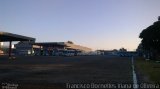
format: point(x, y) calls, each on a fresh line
point(123, 50)
point(70, 42)
point(151, 38)
point(140, 50)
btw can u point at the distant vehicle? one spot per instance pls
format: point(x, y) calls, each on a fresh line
point(125, 54)
point(63, 52)
point(79, 54)
point(69, 53)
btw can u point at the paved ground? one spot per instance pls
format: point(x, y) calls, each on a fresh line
point(54, 72)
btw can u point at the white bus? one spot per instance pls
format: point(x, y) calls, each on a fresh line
point(69, 53)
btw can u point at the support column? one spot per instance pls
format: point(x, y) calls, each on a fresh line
point(41, 52)
point(10, 48)
point(32, 50)
point(0, 45)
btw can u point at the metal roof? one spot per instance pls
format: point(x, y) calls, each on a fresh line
point(50, 44)
point(5, 36)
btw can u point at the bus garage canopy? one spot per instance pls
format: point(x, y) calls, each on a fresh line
point(51, 44)
point(5, 36)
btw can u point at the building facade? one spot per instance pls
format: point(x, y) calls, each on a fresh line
point(48, 48)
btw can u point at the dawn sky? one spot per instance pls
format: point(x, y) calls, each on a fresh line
point(98, 24)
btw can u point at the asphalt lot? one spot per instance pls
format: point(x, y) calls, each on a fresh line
point(42, 72)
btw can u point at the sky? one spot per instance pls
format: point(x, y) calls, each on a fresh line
point(98, 24)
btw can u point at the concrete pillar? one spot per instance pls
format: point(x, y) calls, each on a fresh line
point(0, 45)
point(32, 50)
point(10, 48)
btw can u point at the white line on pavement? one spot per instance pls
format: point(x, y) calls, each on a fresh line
point(135, 85)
